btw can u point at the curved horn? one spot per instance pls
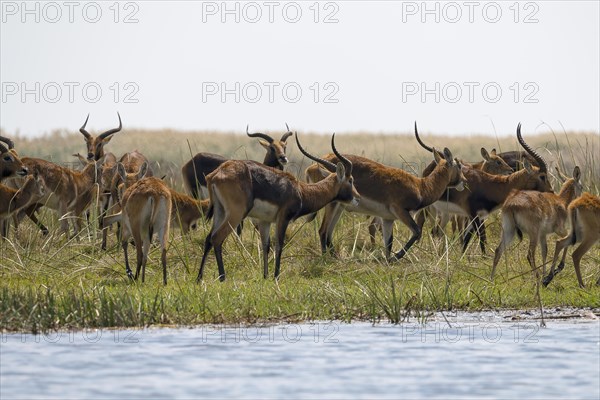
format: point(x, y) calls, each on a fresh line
point(10, 143)
point(287, 134)
point(423, 145)
point(3, 149)
point(327, 164)
point(347, 163)
point(532, 152)
point(82, 129)
point(260, 135)
point(111, 131)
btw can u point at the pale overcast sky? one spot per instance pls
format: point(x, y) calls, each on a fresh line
point(457, 68)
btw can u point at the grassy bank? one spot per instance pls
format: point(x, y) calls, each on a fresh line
point(50, 283)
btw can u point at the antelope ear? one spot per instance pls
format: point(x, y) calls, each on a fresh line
point(493, 152)
point(527, 165)
point(485, 154)
point(121, 171)
point(340, 171)
point(264, 143)
point(143, 170)
point(577, 173)
point(448, 155)
point(107, 139)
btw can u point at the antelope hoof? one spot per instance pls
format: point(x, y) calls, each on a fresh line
point(130, 275)
point(548, 279)
point(222, 278)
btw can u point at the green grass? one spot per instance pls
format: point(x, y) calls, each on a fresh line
point(49, 283)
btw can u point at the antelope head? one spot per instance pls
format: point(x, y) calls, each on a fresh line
point(275, 156)
point(346, 191)
point(457, 178)
point(494, 164)
point(95, 144)
point(10, 163)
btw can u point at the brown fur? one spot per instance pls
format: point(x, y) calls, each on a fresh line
point(12, 200)
point(240, 189)
point(536, 214)
point(194, 172)
point(390, 193)
point(10, 163)
point(146, 210)
point(585, 229)
point(68, 191)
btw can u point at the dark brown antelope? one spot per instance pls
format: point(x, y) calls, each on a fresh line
point(391, 194)
point(194, 171)
point(240, 189)
point(536, 214)
point(585, 229)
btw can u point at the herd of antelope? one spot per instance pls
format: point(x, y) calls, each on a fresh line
point(229, 191)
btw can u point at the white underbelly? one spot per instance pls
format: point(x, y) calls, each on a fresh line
point(371, 207)
point(263, 211)
point(449, 208)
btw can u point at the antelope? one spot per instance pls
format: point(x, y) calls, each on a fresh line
point(585, 229)
point(242, 188)
point(10, 163)
point(491, 163)
point(12, 200)
point(486, 192)
point(68, 191)
point(195, 171)
point(95, 144)
point(146, 208)
point(390, 193)
point(537, 214)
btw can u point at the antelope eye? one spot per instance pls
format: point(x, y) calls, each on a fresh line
point(7, 158)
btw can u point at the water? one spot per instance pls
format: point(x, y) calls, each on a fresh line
point(474, 358)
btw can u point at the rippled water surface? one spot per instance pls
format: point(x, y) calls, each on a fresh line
point(311, 360)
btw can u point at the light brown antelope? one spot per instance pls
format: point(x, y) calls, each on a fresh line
point(585, 229)
point(240, 189)
point(67, 191)
point(491, 163)
point(10, 163)
point(486, 192)
point(194, 171)
point(12, 200)
point(536, 214)
point(391, 194)
point(146, 209)
point(131, 169)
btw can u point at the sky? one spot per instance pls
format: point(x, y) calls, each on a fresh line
point(457, 68)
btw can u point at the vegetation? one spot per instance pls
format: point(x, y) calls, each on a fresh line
point(53, 283)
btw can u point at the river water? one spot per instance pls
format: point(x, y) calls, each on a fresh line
point(469, 358)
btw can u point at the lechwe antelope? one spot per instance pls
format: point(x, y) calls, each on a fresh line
point(585, 229)
point(240, 189)
point(146, 208)
point(536, 214)
point(491, 163)
point(12, 200)
point(195, 171)
point(391, 194)
point(95, 144)
point(10, 163)
point(67, 191)
point(486, 192)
